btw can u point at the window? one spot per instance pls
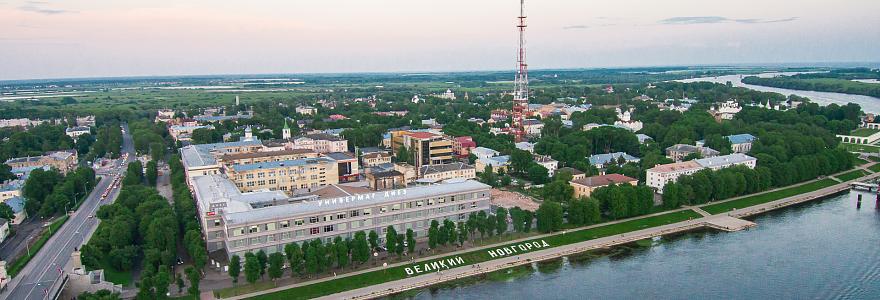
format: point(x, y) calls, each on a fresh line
point(272, 181)
point(285, 224)
point(419, 204)
point(313, 219)
point(340, 216)
point(261, 175)
point(217, 222)
point(261, 182)
point(383, 209)
point(328, 228)
point(250, 183)
point(249, 176)
point(368, 211)
point(270, 226)
point(299, 233)
point(441, 200)
point(354, 213)
point(298, 222)
point(395, 207)
point(253, 229)
point(430, 201)
point(314, 230)
point(342, 226)
point(328, 218)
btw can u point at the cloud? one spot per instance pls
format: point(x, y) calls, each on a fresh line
point(40, 8)
point(575, 27)
point(716, 20)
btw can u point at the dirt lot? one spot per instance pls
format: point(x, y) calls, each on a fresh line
point(509, 199)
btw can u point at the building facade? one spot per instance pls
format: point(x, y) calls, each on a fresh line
point(658, 176)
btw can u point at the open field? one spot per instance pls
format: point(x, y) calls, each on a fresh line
point(851, 175)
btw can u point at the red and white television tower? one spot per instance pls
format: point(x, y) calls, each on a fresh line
point(521, 83)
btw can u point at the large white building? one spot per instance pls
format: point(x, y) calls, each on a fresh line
point(267, 220)
point(658, 176)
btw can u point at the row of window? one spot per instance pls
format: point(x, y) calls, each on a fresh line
point(417, 226)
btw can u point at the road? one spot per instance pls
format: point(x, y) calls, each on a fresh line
point(36, 280)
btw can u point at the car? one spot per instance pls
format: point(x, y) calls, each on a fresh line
point(91, 216)
point(179, 261)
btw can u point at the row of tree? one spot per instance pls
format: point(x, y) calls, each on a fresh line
point(49, 192)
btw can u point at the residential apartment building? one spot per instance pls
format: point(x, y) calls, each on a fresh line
point(678, 152)
point(548, 163)
point(76, 131)
point(321, 143)
point(376, 158)
point(265, 156)
point(64, 161)
point(658, 176)
point(584, 187)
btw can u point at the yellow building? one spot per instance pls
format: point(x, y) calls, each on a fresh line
point(585, 186)
point(298, 175)
point(258, 157)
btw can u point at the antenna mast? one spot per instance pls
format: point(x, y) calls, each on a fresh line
point(521, 83)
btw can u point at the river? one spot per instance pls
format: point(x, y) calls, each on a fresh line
point(868, 104)
point(821, 250)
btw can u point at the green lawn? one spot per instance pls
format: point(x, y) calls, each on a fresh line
point(875, 168)
point(767, 197)
point(851, 175)
point(860, 148)
point(863, 132)
point(44, 237)
point(380, 276)
point(118, 277)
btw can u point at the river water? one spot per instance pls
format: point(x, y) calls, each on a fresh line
point(821, 250)
point(868, 104)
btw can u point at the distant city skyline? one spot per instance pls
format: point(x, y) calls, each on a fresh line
point(76, 38)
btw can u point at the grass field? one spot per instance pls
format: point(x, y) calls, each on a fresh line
point(863, 132)
point(860, 148)
point(380, 276)
point(44, 237)
point(767, 197)
point(851, 175)
point(875, 168)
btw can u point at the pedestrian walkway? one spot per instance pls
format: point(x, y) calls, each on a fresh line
point(699, 210)
point(729, 224)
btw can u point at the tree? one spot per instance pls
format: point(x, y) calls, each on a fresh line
point(262, 260)
point(453, 233)
point(145, 286)
point(490, 223)
point(361, 251)
point(251, 268)
point(538, 174)
point(410, 241)
point(162, 280)
point(6, 211)
point(342, 252)
point(506, 180)
point(234, 268)
point(488, 176)
point(294, 257)
point(501, 220)
point(374, 240)
point(390, 239)
point(482, 225)
point(520, 161)
point(311, 260)
point(462, 233)
point(433, 234)
point(398, 246)
point(276, 261)
point(152, 173)
point(549, 217)
point(193, 275)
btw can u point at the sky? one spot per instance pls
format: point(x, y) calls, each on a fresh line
point(103, 38)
